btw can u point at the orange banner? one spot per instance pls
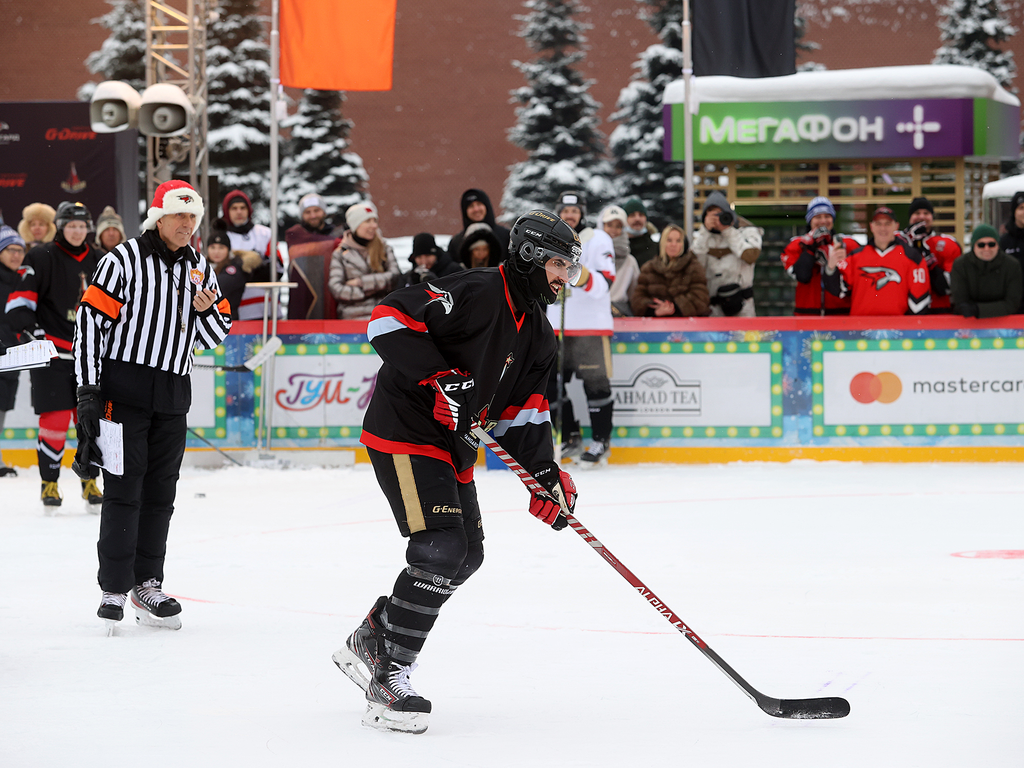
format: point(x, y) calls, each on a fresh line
point(337, 45)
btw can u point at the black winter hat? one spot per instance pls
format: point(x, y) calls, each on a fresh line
point(422, 244)
point(1017, 199)
point(219, 237)
point(921, 204)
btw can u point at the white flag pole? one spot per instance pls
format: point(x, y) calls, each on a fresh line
point(688, 125)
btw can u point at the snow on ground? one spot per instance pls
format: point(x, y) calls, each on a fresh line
point(809, 579)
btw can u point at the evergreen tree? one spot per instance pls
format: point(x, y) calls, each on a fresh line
point(970, 33)
point(318, 159)
point(557, 122)
point(637, 142)
point(804, 47)
point(123, 54)
point(238, 102)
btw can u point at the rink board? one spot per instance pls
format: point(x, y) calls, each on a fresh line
point(685, 390)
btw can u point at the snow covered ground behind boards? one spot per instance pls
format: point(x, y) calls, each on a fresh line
point(809, 579)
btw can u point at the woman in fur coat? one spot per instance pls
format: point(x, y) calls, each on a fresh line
point(673, 284)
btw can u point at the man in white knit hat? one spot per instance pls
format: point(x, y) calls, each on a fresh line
point(153, 300)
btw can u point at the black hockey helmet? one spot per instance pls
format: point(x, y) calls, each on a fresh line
point(68, 211)
point(540, 235)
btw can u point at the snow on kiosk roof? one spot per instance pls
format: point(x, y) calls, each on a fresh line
point(928, 81)
point(906, 112)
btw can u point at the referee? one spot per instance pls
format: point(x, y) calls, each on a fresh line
point(153, 299)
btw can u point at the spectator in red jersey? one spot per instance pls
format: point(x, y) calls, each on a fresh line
point(805, 256)
point(885, 277)
point(985, 281)
point(938, 250)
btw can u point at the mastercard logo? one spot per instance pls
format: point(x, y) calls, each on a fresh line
point(882, 387)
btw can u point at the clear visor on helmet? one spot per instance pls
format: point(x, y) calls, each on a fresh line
point(558, 263)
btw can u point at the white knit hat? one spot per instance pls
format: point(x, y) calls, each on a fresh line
point(174, 197)
point(312, 200)
point(360, 212)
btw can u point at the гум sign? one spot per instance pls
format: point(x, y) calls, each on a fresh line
point(845, 129)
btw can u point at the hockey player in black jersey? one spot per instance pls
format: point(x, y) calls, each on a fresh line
point(475, 346)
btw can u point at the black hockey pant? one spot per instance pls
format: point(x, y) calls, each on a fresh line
point(441, 518)
point(589, 358)
point(137, 506)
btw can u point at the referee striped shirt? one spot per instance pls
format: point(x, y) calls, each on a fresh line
point(139, 310)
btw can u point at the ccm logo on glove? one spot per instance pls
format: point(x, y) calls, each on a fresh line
point(453, 391)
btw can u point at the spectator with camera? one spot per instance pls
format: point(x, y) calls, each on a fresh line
point(429, 262)
point(727, 247)
point(985, 282)
point(806, 256)
point(938, 251)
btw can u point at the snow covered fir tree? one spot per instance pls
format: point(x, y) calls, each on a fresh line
point(637, 142)
point(123, 54)
point(238, 102)
point(557, 120)
point(318, 158)
point(970, 34)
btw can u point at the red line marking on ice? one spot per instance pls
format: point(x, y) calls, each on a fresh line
point(992, 554)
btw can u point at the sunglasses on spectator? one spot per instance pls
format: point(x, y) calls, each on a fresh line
point(987, 244)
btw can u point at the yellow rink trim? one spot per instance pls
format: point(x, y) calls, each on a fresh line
point(26, 457)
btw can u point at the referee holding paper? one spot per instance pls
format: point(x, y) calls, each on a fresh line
point(153, 299)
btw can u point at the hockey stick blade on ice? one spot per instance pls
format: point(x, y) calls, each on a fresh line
point(826, 708)
point(266, 352)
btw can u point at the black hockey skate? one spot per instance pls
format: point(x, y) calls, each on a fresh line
point(596, 455)
point(153, 608)
point(111, 609)
point(391, 702)
point(357, 658)
point(572, 447)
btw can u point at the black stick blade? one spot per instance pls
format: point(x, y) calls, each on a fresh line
point(828, 708)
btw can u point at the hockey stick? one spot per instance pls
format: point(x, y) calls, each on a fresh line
point(825, 708)
point(266, 352)
point(218, 450)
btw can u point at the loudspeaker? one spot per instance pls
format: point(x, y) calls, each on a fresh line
point(165, 111)
point(114, 107)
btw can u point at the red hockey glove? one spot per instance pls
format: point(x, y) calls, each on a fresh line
point(545, 507)
point(452, 392)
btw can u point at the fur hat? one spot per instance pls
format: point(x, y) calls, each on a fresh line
point(312, 200)
point(9, 237)
point(174, 197)
point(38, 212)
point(360, 212)
point(109, 218)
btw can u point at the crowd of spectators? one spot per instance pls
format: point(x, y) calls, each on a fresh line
point(343, 268)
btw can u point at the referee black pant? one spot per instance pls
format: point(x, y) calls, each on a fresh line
point(137, 506)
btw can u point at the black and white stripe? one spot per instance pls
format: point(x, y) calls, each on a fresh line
point(155, 324)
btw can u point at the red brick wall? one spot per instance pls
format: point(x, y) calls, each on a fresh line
point(443, 126)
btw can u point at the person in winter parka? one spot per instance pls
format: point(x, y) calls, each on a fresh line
point(673, 284)
point(1012, 241)
point(363, 266)
point(985, 282)
point(727, 247)
point(476, 207)
point(429, 262)
point(480, 247)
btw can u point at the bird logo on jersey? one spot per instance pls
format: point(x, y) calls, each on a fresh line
point(882, 276)
point(436, 294)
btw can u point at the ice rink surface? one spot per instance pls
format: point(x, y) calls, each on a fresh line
point(891, 585)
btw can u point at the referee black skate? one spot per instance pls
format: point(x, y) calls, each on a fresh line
point(153, 299)
point(474, 346)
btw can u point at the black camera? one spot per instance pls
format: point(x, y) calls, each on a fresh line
point(726, 218)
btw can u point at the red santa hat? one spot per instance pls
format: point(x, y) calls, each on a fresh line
point(174, 197)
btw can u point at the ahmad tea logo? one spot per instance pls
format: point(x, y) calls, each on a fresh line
point(655, 390)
